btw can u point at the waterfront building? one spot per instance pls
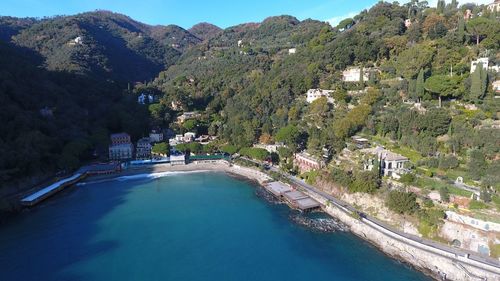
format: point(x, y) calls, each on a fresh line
point(143, 149)
point(121, 148)
point(177, 159)
point(306, 162)
point(314, 94)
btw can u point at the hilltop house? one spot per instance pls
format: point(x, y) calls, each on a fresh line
point(391, 164)
point(143, 149)
point(306, 162)
point(314, 94)
point(121, 148)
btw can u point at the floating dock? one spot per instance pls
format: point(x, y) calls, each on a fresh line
point(294, 198)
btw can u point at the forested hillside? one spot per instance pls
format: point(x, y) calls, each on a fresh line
point(251, 86)
point(53, 120)
point(100, 43)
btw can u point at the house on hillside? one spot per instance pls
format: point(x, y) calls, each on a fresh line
point(495, 6)
point(306, 162)
point(156, 136)
point(485, 63)
point(121, 148)
point(390, 164)
point(353, 74)
point(292, 51)
point(496, 86)
point(187, 115)
point(314, 94)
point(189, 137)
point(145, 97)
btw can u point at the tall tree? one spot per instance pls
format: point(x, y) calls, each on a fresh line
point(480, 27)
point(444, 86)
point(441, 5)
point(479, 82)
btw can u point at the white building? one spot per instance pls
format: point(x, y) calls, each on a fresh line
point(189, 137)
point(353, 74)
point(483, 61)
point(177, 159)
point(240, 43)
point(269, 147)
point(143, 149)
point(292, 51)
point(314, 94)
point(496, 86)
point(495, 6)
point(78, 40)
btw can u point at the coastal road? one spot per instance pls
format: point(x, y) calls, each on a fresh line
point(367, 219)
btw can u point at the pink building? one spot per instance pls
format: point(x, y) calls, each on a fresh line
point(306, 162)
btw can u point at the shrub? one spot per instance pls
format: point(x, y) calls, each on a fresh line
point(402, 202)
point(407, 178)
point(448, 162)
point(445, 194)
point(477, 205)
point(230, 149)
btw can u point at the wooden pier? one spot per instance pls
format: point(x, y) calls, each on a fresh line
point(293, 198)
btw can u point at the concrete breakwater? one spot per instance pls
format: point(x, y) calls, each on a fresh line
point(434, 261)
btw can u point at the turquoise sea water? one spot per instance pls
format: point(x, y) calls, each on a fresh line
point(197, 226)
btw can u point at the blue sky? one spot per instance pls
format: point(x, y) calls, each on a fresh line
point(186, 13)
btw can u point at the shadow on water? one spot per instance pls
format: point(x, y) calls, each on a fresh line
point(66, 225)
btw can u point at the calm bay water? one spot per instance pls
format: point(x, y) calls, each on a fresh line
point(197, 226)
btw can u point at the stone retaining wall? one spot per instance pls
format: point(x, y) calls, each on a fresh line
point(437, 263)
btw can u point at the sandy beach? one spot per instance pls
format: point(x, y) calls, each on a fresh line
point(221, 166)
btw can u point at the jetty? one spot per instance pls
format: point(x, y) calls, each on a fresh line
point(294, 198)
point(44, 193)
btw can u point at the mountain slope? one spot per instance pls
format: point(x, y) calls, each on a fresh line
point(204, 30)
point(100, 43)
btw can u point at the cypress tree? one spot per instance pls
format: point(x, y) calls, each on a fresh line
point(484, 82)
point(461, 30)
point(476, 83)
point(420, 84)
point(441, 4)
